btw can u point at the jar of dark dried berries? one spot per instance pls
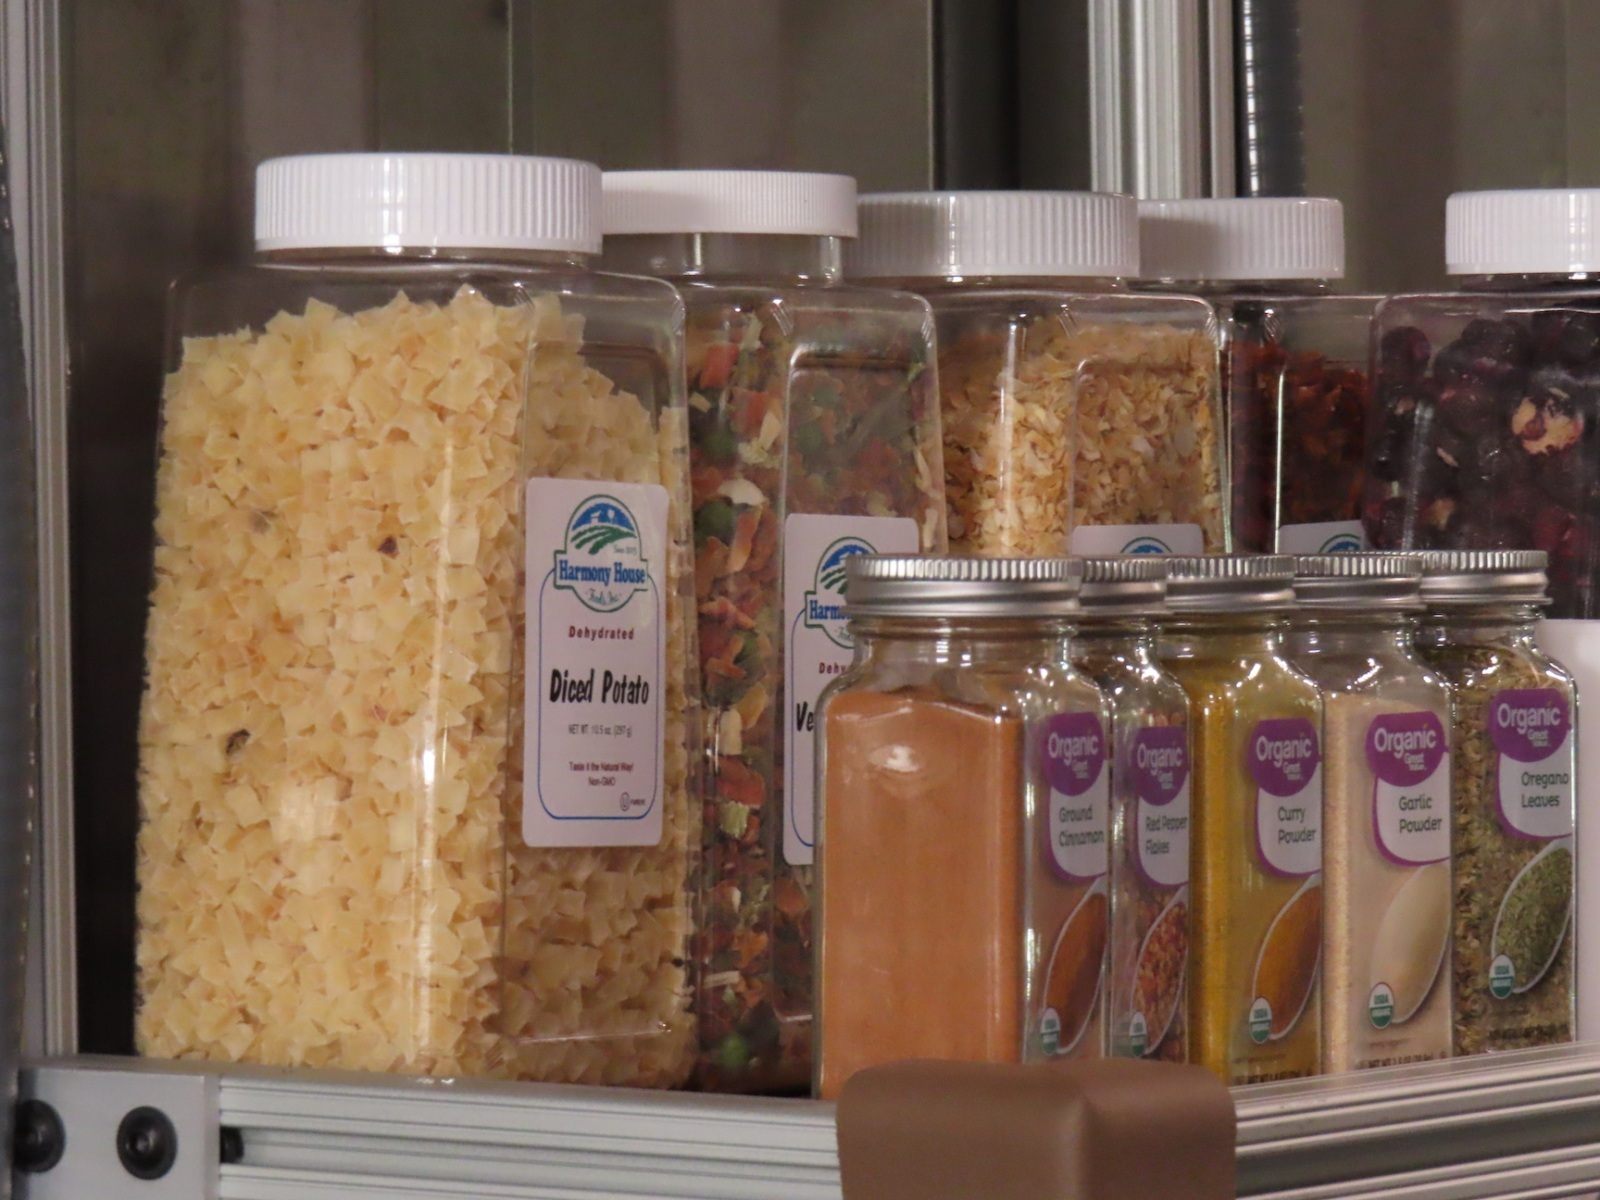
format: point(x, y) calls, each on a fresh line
point(1294, 359)
point(1486, 433)
point(814, 436)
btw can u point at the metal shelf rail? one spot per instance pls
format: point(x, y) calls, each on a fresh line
point(1516, 1127)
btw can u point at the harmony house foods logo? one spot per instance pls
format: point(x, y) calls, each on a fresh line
point(1342, 543)
point(603, 560)
point(825, 603)
point(1145, 544)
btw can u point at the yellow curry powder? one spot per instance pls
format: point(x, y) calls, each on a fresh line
point(1255, 878)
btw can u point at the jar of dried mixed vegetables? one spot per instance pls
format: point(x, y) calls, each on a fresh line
point(963, 902)
point(1294, 359)
point(1514, 798)
point(814, 429)
point(1115, 645)
point(401, 810)
point(1076, 414)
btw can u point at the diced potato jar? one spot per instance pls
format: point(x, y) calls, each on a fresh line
point(416, 746)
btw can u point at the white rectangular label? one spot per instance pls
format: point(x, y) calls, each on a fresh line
point(817, 645)
point(1095, 541)
point(594, 681)
point(1322, 537)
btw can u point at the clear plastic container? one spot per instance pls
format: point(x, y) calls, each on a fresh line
point(1296, 392)
point(1386, 826)
point(1487, 424)
point(1255, 888)
point(1077, 415)
point(400, 810)
point(1515, 787)
point(1115, 645)
point(965, 797)
point(814, 428)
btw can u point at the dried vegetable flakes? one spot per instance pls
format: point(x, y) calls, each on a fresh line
point(1053, 423)
point(796, 406)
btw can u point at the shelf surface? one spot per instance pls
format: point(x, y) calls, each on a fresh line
point(1513, 1127)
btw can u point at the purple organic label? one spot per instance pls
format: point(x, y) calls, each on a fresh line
point(1074, 751)
point(1529, 724)
point(1283, 755)
point(1403, 749)
point(1160, 763)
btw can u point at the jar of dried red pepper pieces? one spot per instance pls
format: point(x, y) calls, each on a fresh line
point(814, 428)
point(1076, 414)
point(1294, 359)
point(1487, 437)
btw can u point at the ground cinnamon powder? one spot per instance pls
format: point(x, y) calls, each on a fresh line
point(922, 871)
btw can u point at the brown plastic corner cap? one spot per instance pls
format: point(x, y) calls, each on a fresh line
point(1114, 1129)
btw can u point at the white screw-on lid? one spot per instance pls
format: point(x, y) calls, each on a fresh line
point(796, 203)
point(1245, 238)
point(1539, 231)
point(428, 202)
point(943, 235)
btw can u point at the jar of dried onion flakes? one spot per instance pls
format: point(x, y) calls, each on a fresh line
point(1294, 356)
point(415, 748)
point(814, 429)
point(1076, 415)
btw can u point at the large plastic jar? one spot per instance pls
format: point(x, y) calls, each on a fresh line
point(1077, 415)
point(814, 431)
point(965, 800)
point(402, 811)
point(1386, 823)
point(1255, 884)
point(1513, 805)
point(1486, 436)
point(1294, 359)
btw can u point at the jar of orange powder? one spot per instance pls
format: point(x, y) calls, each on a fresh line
point(964, 837)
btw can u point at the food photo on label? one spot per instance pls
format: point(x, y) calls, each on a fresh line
point(1386, 811)
point(814, 429)
point(1115, 645)
point(1256, 887)
point(1513, 804)
point(964, 840)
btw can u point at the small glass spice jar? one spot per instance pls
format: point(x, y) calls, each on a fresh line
point(1387, 928)
point(1076, 415)
point(1294, 359)
point(965, 831)
point(1146, 992)
point(1255, 884)
point(814, 435)
point(1514, 746)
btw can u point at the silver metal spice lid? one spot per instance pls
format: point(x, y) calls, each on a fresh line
point(1462, 578)
point(1229, 583)
point(1362, 582)
point(1129, 585)
point(910, 585)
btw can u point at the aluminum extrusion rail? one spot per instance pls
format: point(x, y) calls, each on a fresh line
point(1514, 1127)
